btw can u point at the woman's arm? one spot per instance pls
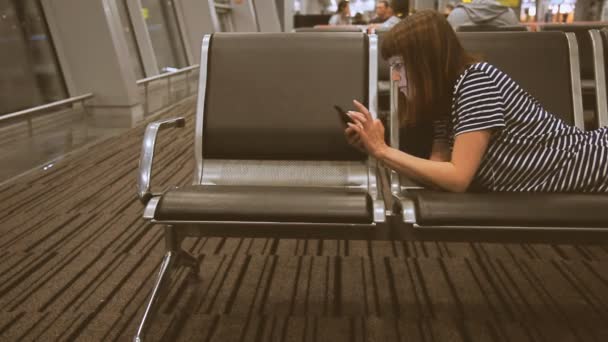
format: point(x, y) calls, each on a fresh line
point(440, 151)
point(453, 175)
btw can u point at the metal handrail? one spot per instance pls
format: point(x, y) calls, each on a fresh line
point(29, 114)
point(168, 74)
point(222, 6)
point(146, 81)
point(34, 110)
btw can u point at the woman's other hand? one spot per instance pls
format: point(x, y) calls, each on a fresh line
point(370, 131)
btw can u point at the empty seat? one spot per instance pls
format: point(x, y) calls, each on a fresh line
point(269, 147)
point(586, 62)
point(279, 204)
point(584, 46)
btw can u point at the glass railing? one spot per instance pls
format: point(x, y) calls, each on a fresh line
point(36, 136)
point(168, 88)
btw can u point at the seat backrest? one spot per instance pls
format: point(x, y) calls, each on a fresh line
point(604, 35)
point(326, 28)
point(270, 97)
point(490, 28)
point(540, 62)
point(310, 20)
point(602, 66)
point(584, 43)
point(384, 72)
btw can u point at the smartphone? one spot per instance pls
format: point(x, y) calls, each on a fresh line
point(343, 116)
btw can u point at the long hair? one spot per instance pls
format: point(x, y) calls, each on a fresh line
point(433, 59)
point(341, 6)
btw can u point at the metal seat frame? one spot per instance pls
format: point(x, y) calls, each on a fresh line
point(599, 71)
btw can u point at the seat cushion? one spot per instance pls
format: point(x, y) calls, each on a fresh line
point(510, 209)
point(264, 204)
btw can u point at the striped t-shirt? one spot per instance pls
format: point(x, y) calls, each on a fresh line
point(530, 148)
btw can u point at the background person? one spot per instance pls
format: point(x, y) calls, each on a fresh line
point(488, 133)
point(342, 16)
point(383, 12)
point(448, 8)
point(388, 23)
point(482, 12)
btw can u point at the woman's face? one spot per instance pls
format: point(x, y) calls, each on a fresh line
point(346, 10)
point(398, 73)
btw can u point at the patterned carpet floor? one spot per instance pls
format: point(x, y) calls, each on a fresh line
point(77, 262)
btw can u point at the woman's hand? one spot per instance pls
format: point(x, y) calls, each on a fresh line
point(369, 131)
point(353, 138)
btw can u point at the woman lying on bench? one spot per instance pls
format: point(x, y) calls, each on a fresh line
point(489, 134)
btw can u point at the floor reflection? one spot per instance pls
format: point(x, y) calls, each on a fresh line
point(36, 144)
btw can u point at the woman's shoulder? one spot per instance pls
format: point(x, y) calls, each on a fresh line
point(480, 76)
point(482, 73)
point(484, 68)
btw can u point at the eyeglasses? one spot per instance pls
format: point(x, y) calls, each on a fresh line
point(396, 66)
point(396, 63)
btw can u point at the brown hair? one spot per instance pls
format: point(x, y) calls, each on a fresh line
point(433, 58)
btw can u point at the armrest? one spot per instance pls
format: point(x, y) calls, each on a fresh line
point(406, 206)
point(394, 134)
point(147, 155)
point(373, 189)
point(395, 181)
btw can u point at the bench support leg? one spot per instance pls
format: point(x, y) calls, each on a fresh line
point(175, 256)
point(161, 278)
point(173, 242)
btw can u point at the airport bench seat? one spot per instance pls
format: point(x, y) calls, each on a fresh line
point(270, 156)
point(264, 204)
point(509, 210)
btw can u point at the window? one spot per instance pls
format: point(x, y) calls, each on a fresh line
point(223, 9)
point(127, 26)
point(29, 71)
point(167, 42)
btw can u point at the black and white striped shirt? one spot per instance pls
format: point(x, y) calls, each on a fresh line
point(530, 149)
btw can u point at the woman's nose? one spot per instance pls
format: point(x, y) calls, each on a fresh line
point(395, 76)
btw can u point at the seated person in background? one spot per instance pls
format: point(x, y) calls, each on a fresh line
point(391, 21)
point(342, 16)
point(383, 12)
point(358, 19)
point(488, 133)
point(482, 12)
point(448, 8)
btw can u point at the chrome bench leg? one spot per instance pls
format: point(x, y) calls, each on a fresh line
point(175, 256)
point(188, 260)
point(161, 278)
point(173, 242)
